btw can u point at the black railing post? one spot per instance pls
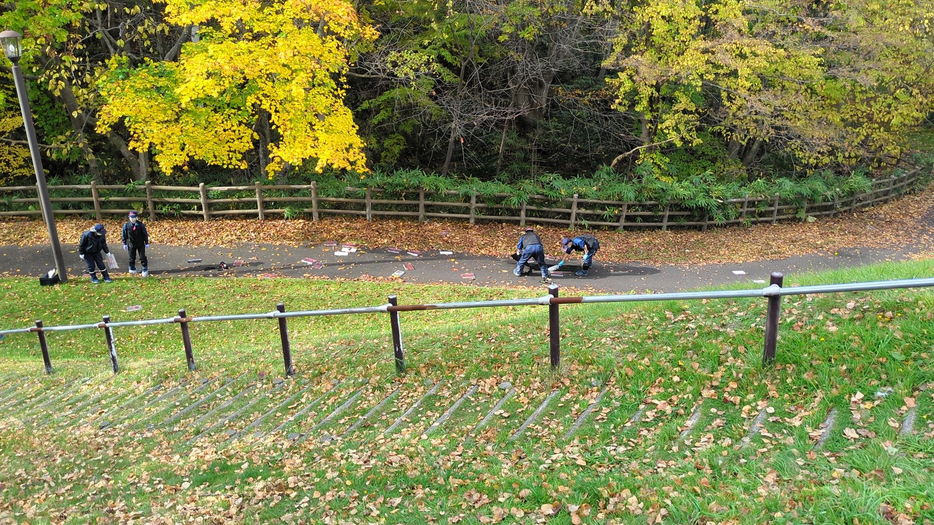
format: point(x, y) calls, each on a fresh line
point(554, 327)
point(396, 336)
point(111, 345)
point(771, 321)
point(186, 340)
point(286, 347)
point(45, 347)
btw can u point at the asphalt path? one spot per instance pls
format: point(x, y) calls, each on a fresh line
point(336, 261)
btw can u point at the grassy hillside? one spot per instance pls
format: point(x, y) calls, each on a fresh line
point(661, 412)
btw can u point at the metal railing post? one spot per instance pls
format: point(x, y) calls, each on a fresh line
point(45, 347)
point(771, 321)
point(286, 347)
point(111, 345)
point(396, 337)
point(554, 327)
point(186, 340)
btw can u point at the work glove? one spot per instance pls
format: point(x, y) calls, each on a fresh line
point(82, 257)
point(147, 246)
point(124, 247)
point(561, 263)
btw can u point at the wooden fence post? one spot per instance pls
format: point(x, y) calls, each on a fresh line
point(775, 210)
point(259, 202)
point(573, 212)
point(111, 344)
point(473, 208)
point(742, 214)
point(622, 216)
point(149, 204)
point(421, 205)
point(204, 201)
point(96, 196)
point(286, 345)
point(665, 218)
point(396, 337)
point(554, 329)
point(522, 215)
point(186, 340)
point(771, 321)
point(369, 205)
point(43, 344)
point(314, 201)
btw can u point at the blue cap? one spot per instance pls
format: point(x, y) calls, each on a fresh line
point(99, 228)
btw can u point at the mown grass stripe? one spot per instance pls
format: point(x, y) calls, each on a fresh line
point(65, 418)
point(11, 390)
point(130, 401)
point(635, 418)
point(538, 411)
point(447, 413)
point(236, 413)
point(583, 416)
point(908, 424)
point(196, 404)
point(754, 428)
point(172, 391)
point(340, 409)
point(368, 415)
point(40, 400)
point(307, 408)
point(829, 422)
point(411, 409)
point(197, 423)
point(691, 422)
point(204, 384)
point(489, 415)
point(29, 398)
point(260, 419)
point(343, 406)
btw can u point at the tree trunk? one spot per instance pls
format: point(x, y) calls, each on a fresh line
point(128, 156)
point(751, 153)
point(78, 123)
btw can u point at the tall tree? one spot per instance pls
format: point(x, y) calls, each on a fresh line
point(262, 77)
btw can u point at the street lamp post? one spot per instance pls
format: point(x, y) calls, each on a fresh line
point(10, 40)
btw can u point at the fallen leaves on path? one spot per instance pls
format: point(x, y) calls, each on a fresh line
point(907, 223)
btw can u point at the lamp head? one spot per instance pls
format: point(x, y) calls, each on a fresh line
point(10, 40)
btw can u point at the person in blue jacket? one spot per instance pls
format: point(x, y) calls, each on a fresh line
point(584, 243)
point(530, 246)
point(135, 241)
point(94, 242)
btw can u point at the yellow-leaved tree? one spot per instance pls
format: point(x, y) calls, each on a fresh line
point(256, 77)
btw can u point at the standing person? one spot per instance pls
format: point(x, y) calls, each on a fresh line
point(584, 243)
point(530, 246)
point(93, 242)
point(136, 240)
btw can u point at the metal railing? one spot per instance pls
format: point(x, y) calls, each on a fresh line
point(774, 292)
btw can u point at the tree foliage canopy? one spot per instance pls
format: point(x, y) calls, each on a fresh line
point(737, 89)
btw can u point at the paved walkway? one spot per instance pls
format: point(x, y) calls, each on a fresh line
point(332, 262)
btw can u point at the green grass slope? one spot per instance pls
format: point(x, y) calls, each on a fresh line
point(660, 412)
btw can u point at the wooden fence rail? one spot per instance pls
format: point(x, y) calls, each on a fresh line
point(100, 200)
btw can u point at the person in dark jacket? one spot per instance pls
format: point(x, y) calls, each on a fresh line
point(135, 241)
point(530, 246)
point(92, 244)
point(584, 243)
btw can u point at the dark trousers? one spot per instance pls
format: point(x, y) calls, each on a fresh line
point(95, 258)
point(535, 251)
point(141, 250)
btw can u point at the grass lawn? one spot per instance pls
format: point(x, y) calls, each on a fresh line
point(660, 412)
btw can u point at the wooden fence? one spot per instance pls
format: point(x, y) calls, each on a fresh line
point(97, 200)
